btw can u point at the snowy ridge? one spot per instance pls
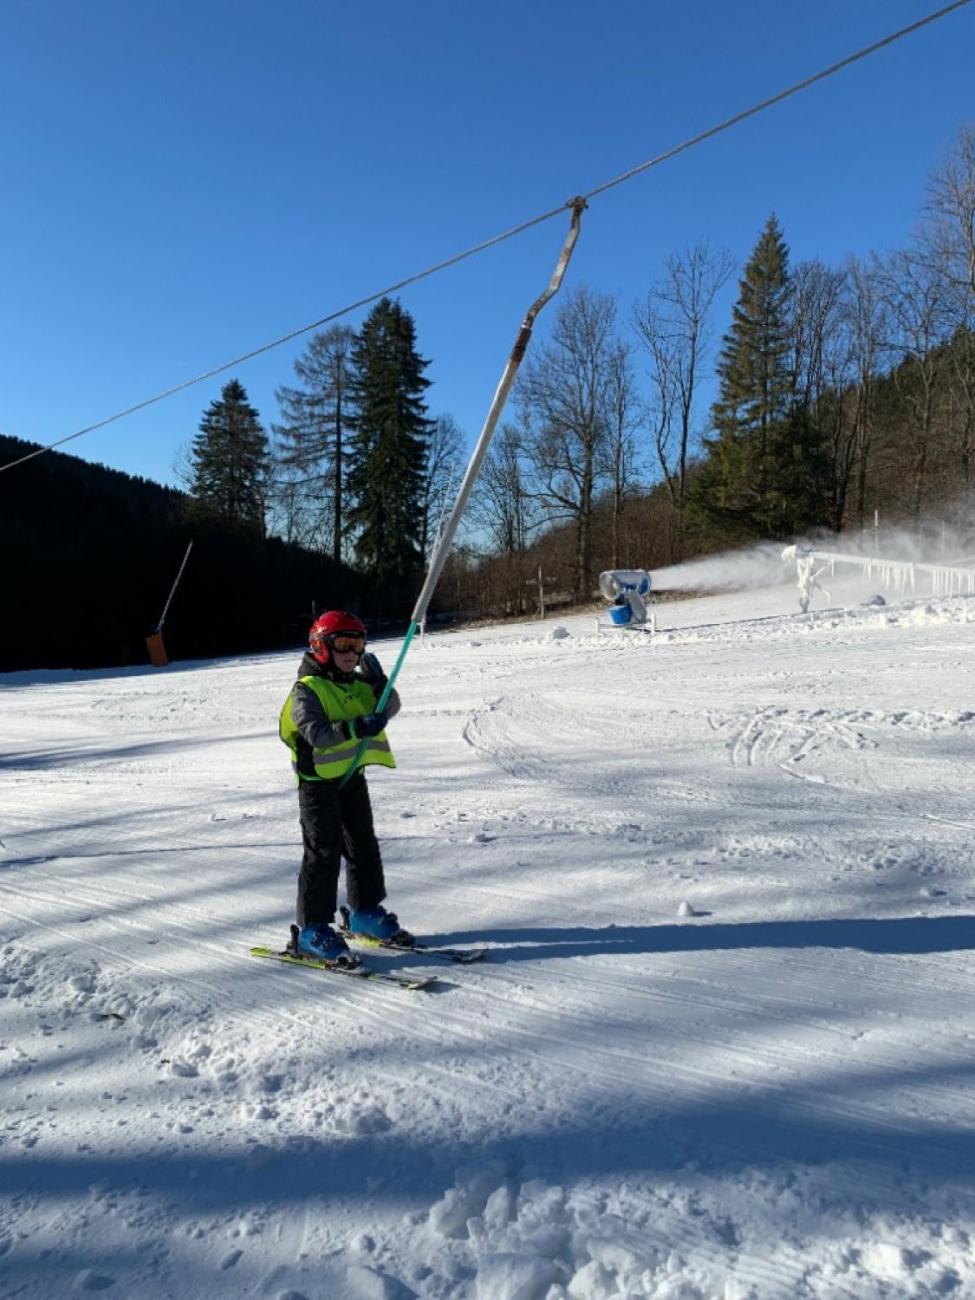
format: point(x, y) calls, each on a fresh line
point(721, 1049)
point(920, 613)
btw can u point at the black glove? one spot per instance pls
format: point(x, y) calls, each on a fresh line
point(371, 725)
point(372, 672)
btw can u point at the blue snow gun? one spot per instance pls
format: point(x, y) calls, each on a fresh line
point(625, 590)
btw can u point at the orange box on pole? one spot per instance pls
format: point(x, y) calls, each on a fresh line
point(157, 651)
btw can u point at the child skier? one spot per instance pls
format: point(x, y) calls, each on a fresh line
point(331, 710)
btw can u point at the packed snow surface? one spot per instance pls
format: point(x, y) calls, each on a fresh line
point(722, 1045)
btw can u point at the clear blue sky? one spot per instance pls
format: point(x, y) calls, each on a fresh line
point(183, 182)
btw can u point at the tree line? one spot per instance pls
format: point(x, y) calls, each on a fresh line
point(837, 391)
point(335, 508)
point(841, 391)
point(356, 468)
point(90, 555)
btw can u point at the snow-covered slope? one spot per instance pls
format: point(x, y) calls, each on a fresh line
point(770, 1097)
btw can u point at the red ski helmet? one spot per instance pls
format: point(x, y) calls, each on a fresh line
point(333, 623)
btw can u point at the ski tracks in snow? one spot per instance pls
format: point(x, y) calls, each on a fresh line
point(788, 736)
point(869, 754)
point(605, 759)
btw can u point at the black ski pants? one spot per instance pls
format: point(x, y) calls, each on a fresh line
point(335, 824)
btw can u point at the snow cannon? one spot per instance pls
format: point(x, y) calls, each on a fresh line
point(625, 590)
point(805, 560)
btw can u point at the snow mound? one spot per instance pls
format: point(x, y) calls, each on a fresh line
point(530, 1241)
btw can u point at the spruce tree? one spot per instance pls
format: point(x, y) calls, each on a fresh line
point(230, 459)
point(315, 427)
point(387, 454)
point(737, 487)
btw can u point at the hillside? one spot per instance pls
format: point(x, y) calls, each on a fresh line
point(721, 1046)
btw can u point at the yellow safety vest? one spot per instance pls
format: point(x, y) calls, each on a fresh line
point(341, 702)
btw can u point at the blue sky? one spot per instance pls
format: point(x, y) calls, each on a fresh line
point(183, 182)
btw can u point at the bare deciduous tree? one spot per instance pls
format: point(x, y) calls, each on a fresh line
point(565, 403)
point(500, 504)
point(821, 369)
point(950, 212)
point(296, 508)
point(620, 444)
point(674, 326)
point(444, 467)
point(865, 322)
point(948, 233)
point(961, 409)
point(916, 300)
point(815, 307)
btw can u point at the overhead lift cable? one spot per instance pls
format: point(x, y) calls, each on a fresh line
point(515, 230)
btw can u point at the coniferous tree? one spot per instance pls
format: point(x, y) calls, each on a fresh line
point(765, 472)
point(313, 433)
point(755, 394)
point(387, 454)
point(230, 459)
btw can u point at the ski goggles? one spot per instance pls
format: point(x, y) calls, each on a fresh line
point(344, 642)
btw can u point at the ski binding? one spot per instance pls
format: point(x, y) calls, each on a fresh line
point(463, 956)
point(353, 969)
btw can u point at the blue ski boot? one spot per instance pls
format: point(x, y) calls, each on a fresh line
point(377, 923)
point(321, 941)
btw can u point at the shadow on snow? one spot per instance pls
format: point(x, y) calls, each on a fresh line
point(914, 935)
